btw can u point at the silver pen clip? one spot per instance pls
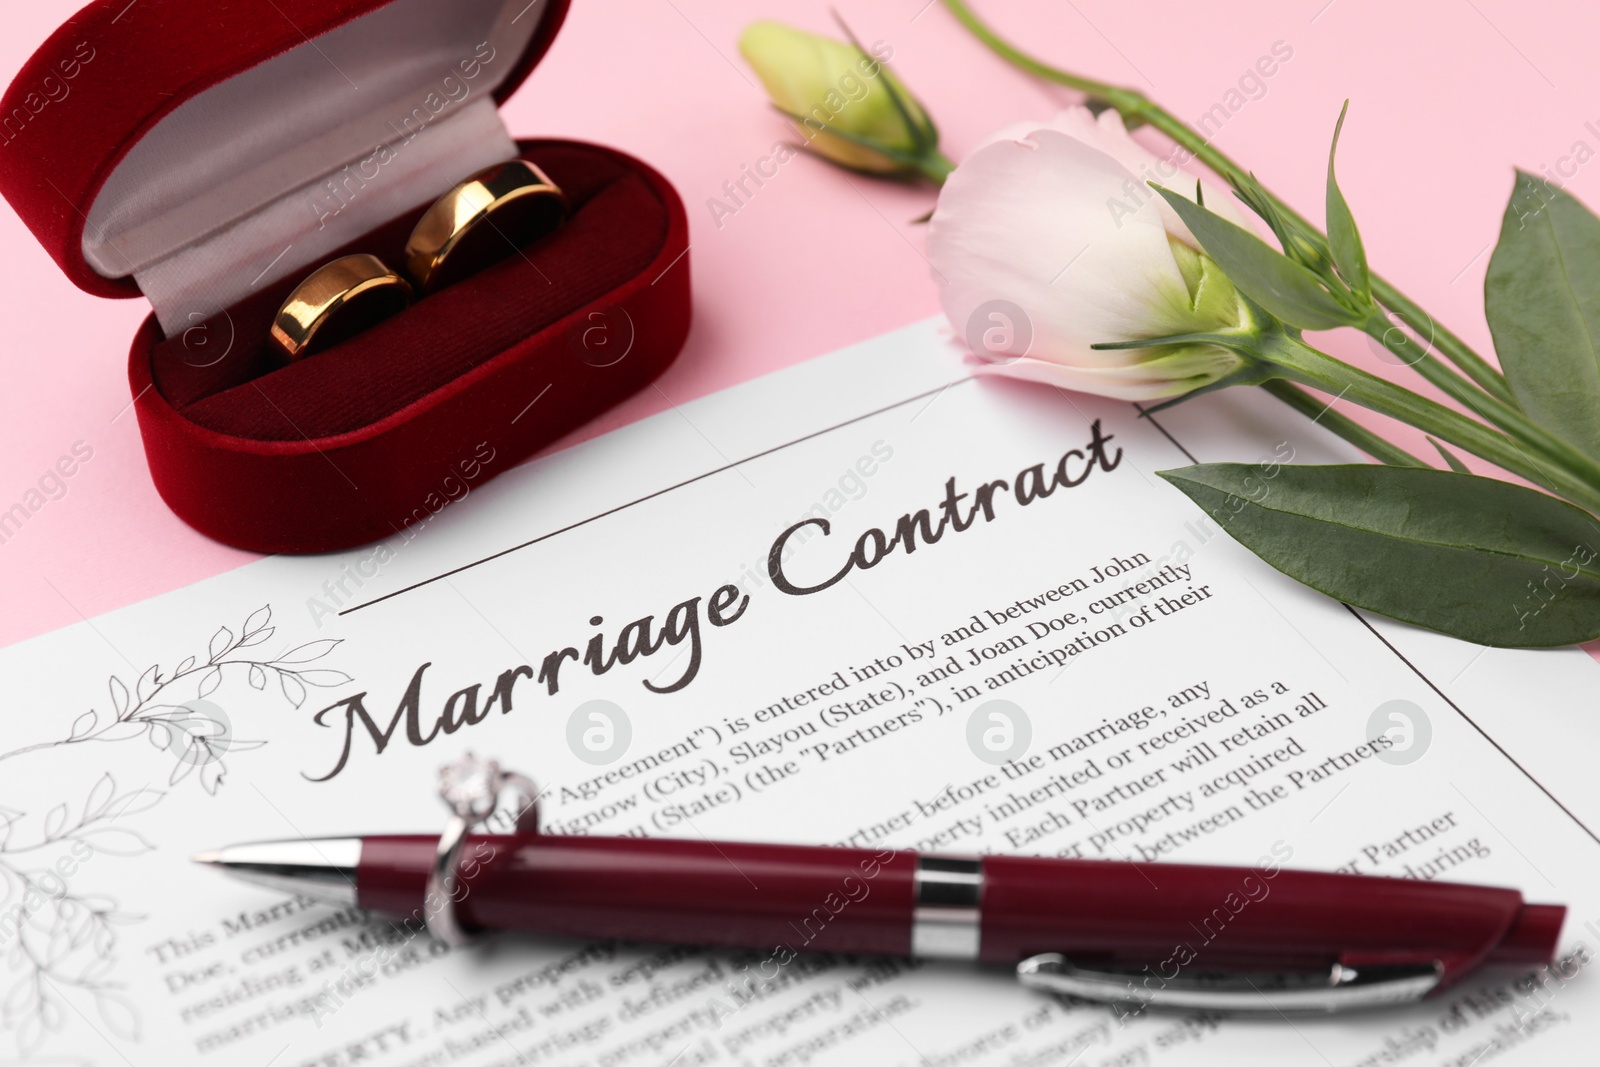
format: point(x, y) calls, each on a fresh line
point(1341, 988)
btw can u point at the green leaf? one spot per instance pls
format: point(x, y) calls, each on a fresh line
point(1253, 195)
point(1283, 287)
point(1295, 242)
point(1344, 240)
point(1450, 458)
point(1542, 299)
point(1472, 557)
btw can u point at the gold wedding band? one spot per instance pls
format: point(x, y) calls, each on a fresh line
point(338, 301)
point(484, 219)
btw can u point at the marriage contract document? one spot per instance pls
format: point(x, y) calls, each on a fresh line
point(872, 601)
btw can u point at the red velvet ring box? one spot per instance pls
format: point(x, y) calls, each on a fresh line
point(209, 155)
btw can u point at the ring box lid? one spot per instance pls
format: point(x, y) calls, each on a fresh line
point(141, 130)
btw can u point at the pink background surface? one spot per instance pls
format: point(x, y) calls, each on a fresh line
point(1445, 99)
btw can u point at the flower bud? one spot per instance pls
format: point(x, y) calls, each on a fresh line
point(844, 101)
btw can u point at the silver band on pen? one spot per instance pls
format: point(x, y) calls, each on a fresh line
point(946, 922)
point(471, 789)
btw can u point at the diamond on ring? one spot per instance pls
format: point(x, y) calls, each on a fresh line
point(470, 787)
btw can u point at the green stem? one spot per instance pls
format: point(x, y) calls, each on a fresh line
point(1449, 345)
point(1507, 418)
point(1023, 61)
point(1322, 413)
point(936, 167)
point(1302, 363)
point(1133, 105)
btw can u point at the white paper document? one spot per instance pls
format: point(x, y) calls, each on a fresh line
point(870, 601)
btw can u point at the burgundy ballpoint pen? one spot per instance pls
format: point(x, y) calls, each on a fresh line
point(1164, 935)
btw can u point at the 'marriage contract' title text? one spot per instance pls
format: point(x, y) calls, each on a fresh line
point(643, 639)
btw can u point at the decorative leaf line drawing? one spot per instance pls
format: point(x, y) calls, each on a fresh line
point(53, 938)
point(144, 710)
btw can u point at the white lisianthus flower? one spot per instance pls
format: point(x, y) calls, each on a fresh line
point(1047, 239)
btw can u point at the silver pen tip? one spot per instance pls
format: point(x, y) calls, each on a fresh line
point(326, 867)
